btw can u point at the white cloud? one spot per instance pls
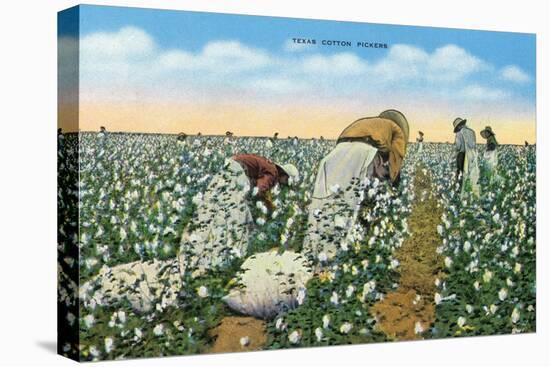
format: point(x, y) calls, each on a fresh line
point(514, 74)
point(130, 55)
point(481, 93)
point(401, 63)
point(445, 64)
point(341, 64)
point(215, 57)
point(128, 42)
point(451, 62)
point(279, 85)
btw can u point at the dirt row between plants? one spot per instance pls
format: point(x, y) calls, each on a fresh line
point(409, 311)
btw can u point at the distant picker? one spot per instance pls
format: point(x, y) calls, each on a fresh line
point(490, 155)
point(420, 141)
point(467, 169)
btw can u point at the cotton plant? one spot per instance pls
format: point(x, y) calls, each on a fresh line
point(138, 193)
point(483, 240)
point(358, 273)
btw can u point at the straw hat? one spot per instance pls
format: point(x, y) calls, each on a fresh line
point(458, 123)
point(487, 132)
point(420, 132)
point(399, 119)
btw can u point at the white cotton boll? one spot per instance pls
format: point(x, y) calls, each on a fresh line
point(515, 316)
point(345, 328)
point(349, 290)
point(109, 344)
point(334, 298)
point(279, 324)
point(266, 286)
point(158, 330)
point(89, 321)
point(326, 321)
point(294, 337)
point(244, 341)
point(418, 328)
point(202, 291)
point(502, 294)
point(289, 222)
point(319, 334)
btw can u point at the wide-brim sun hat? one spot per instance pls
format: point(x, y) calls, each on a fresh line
point(291, 171)
point(399, 119)
point(458, 123)
point(487, 132)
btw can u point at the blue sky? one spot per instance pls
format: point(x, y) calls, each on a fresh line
point(208, 57)
point(191, 31)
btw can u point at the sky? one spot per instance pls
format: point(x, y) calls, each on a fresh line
point(145, 70)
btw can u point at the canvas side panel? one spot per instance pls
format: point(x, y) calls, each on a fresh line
point(67, 184)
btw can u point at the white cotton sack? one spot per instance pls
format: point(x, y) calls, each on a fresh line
point(270, 283)
point(143, 284)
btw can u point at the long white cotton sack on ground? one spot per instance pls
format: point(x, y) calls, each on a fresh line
point(221, 222)
point(143, 284)
point(269, 284)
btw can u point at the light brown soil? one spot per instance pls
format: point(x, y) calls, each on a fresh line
point(420, 265)
point(230, 331)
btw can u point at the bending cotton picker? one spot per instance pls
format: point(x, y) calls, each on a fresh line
point(219, 232)
point(368, 151)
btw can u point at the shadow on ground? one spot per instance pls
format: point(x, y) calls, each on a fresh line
point(48, 345)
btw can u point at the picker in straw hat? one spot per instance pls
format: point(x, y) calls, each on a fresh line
point(467, 169)
point(371, 147)
point(420, 141)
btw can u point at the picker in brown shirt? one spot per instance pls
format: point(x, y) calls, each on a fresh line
point(265, 174)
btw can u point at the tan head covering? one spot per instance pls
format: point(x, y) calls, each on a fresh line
point(458, 123)
point(399, 119)
point(487, 132)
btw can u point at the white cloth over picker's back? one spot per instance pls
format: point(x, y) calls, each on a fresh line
point(336, 197)
point(221, 223)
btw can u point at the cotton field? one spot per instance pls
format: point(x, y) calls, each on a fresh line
point(140, 295)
